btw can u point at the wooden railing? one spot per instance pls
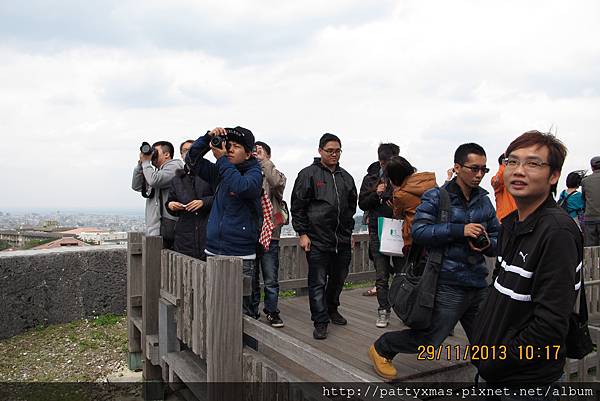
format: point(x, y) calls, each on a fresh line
point(186, 323)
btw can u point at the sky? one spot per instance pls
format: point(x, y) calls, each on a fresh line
point(84, 83)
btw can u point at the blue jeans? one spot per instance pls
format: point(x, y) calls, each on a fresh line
point(327, 272)
point(269, 266)
point(247, 304)
point(452, 304)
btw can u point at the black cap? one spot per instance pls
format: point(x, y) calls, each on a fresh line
point(241, 135)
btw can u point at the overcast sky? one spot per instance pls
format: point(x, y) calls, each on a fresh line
point(84, 83)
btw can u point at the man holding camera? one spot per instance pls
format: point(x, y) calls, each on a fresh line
point(152, 177)
point(236, 178)
point(471, 232)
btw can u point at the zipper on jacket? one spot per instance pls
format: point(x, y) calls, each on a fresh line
point(337, 194)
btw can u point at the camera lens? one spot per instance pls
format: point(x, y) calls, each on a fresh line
point(146, 148)
point(216, 141)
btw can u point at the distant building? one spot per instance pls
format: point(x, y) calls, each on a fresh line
point(103, 237)
point(62, 242)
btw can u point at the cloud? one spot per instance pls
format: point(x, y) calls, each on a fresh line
point(84, 84)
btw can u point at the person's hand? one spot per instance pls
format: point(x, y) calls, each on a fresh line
point(473, 230)
point(260, 153)
point(194, 205)
point(176, 206)
point(304, 242)
point(218, 152)
point(218, 131)
point(144, 157)
point(380, 188)
point(389, 203)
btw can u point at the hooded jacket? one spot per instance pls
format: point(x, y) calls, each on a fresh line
point(375, 205)
point(407, 197)
point(536, 281)
point(233, 223)
point(159, 180)
point(190, 230)
point(323, 206)
point(461, 265)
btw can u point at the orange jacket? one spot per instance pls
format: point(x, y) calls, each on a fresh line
point(505, 203)
point(407, 197)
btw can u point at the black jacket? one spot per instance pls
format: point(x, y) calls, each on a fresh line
point(323, 206)
point(190, 230)
point(368, 200)
point(536, 280)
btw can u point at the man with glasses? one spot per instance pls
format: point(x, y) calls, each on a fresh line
point(323, 206)
point(470, 233)
point(537, 274)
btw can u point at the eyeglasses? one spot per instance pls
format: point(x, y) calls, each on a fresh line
point(529, 164)
point(332, 151)
point(475, 169)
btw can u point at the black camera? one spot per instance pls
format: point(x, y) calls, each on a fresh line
point(148, 150)
point(217, 140)
point(482, 241)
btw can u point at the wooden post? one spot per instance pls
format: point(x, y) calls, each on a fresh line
point(151, 260)
point(134, 289)
point(224, 318)
point(167, 333)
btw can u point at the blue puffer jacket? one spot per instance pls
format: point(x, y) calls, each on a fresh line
point(233, 223)
point(461, 266)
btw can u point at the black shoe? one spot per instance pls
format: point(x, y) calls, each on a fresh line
point(274, 319)
point(338, 319)
point(320, 332)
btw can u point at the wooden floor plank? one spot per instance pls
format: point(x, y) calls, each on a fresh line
point(350, 343)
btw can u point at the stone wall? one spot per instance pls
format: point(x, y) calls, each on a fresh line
point(60, 285)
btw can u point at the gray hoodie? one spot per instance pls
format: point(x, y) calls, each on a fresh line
point(160, 180)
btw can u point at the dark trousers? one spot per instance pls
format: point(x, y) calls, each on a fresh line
point(268, 265)
point(452, 304)
point(327, 271)
point(385, 266)
point(591, 231)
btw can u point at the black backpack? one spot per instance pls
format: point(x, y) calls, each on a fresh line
point(412, 292)
point(564, 202)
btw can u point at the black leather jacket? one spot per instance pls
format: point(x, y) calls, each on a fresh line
point(323, 206)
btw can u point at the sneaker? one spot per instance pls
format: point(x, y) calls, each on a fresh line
point(274, 319)
point(320, 332)
point(383, 366)
point(338, 319)
point(383, 318)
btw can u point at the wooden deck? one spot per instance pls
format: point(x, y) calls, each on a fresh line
point(350, 343)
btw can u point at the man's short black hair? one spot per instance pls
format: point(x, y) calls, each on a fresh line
point(463, 151)
point(327, 137)
point(387, 150)
point(183, 143)
point(166, 147)
point(266, 147)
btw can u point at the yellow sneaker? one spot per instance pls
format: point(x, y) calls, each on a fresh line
point(382, 366)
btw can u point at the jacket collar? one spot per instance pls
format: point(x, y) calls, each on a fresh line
point(530, 222)
point(453, 187)
point(317, 161)
point(247, 165)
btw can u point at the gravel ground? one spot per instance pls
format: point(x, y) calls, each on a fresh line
point(81, 351)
